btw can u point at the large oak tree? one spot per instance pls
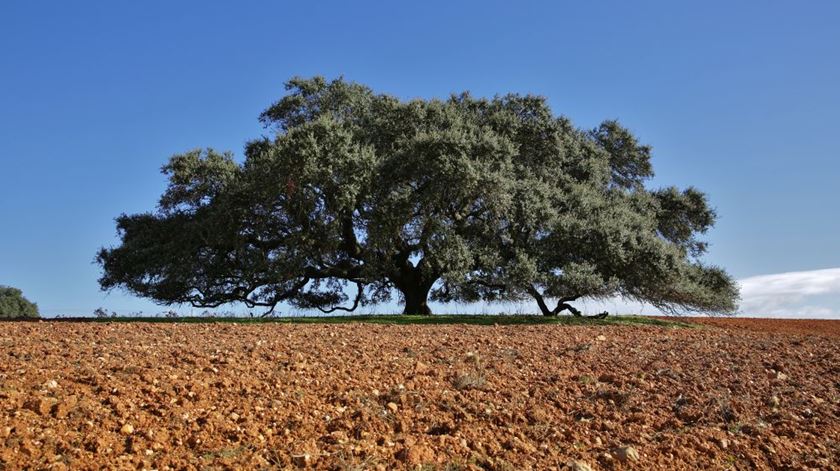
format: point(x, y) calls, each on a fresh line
point(358, 195)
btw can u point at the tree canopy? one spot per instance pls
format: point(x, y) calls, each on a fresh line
point(13, 304)
point(356, 196)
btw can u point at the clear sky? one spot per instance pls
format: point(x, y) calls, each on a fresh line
point(740, 99)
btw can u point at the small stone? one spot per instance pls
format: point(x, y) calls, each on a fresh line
point(51, 384)
point(580, 466)
point(392, 406)
point(601, 338)
point(781, 376)
point(724, 443)
point(127, 429)
point(773, 401)
point(598, 441)
point(626, 453)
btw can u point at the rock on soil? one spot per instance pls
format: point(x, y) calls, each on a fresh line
point(626, 453)
point(735, 394)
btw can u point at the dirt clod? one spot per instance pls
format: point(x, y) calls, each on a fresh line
point(39, 405)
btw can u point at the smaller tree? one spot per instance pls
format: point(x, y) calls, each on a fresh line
point(14, 305)
point(102, 313)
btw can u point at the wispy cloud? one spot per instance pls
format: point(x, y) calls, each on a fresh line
point(814, 294)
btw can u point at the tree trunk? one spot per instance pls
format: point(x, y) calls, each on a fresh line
point(416, 299)
point(414, 282)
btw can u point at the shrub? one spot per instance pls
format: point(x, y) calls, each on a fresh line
point(14, 305)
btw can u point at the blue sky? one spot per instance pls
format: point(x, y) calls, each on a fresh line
point(737, 98)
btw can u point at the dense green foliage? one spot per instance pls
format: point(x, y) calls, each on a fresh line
point(460, 199)
point(14, 305)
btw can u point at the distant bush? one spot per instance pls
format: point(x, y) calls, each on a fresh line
point(101, 313)
point(13, 304)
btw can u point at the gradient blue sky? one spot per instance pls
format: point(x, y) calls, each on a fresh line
point(740, 99)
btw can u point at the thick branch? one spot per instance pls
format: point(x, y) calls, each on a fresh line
point(242, 294)
point(562, 303)
point(359, 293)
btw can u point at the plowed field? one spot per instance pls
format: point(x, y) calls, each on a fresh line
point(739, 394)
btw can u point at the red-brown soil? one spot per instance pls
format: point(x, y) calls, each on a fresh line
point(744, 394)
point(783, 326)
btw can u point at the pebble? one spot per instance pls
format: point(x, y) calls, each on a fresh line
point(601, 338)
point(392, 406)
point(127, 429)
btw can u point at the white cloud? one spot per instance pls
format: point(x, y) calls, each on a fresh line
point(807, 294)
